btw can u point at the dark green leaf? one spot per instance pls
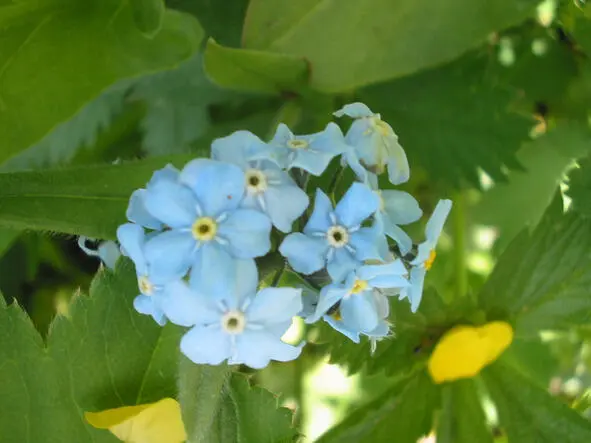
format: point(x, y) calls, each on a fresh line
point(251, 70)
point(580, 188)
point(452, 120)
point(148, 15)
point(462, 419)
point(219, 406)
point(541, 281)
point(102, 355)
point(528, 413)
point(402, 414)
point(352, 44)
point(57, 56)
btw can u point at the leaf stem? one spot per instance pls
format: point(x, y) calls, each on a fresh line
point(459, 239)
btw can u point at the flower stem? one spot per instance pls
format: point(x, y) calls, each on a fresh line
point(459, 238)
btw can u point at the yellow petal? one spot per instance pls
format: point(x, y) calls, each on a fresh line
point(463, 351)
point(158, 422)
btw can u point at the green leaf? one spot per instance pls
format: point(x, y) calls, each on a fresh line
point(148, 15)
point(89, 200)
point(528, 413)
point(541, 281)
point(522, 201)
point(579, 188)
point(462, 419)
point(532, 358)
point(351, 44)
point(220, 406)
point(177, 104)
point(66, 139)
point(452, 120)
point(403, 413)
point(57, 56)
point(7, 236)
point(103, 355)
point(251, 70)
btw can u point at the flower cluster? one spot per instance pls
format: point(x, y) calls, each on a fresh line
point(195, 234)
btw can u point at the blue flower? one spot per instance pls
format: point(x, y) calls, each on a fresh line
point(267, 188)
point(336, 238)
point(107, 251)
point(311, 153)
point(207, 227)
point(136, 211)
point(360, 307)
point(230, 321)
point(375, 145)
point(397, 208)
point(150, 280)
point(426, 254)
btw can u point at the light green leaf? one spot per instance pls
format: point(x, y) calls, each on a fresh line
point(462, 419)
point(58, 55)
point(542, 280)
point(251, 70)
point(528, 413)
point(148, 15)
point(402, 414)
point(351, 44)
point(102, 355)
point(220, 406)
point(89, 200)
point(580, 188)
point(452, 120)
point(522, 201)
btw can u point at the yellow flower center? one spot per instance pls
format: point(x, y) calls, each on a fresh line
point(204, 229)
point(146, 287)
point(337, 236)
point(297, 144)
point(429, 262)
point(359, 286)
point(256, 181)
point(383, 128)
point(233, 322)
point(337, 315)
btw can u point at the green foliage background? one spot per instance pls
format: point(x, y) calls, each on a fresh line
point(492, 102)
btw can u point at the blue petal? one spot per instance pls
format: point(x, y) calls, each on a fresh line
point(396, 233)
point(186, 307)
point(238, 148)
point(381, 330)
point(305, 254)
point(255, 348)
point(415, 291)
point(147, 305)
point(272, 305)
point(358, 203)
point(313, 162)
point(329, 296)
point(401, 207)
point(352, 160)
point(132, 239)
point(398, 168)
point(109, 253)
point(168, 173)
point(137, 212)
point(169, 255)
point(369, 272)
point(206, 345)
point(342, 328)
point(330, 141)
point(354, 110)
point(359, 312)
point(320, 219)
point(248, 233)
point(284, 205)
point(341, 264)
point(279, 329)
point(366, 242)
point(219, 187)
point(171, 203)
point(436, 222)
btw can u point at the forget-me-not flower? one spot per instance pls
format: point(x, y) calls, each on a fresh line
point(107, 251)
point(207, 226)
point(375, 145)
point(150, 280)
point(335, 238)
point(231, 321)
point(136, 211)
point(357, 310)
point(426, 254)
point(397, 208)
point(311, 152)
point(267, 187)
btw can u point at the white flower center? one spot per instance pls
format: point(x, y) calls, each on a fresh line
point(233, 322)
point(298, 144)
point(204, 229)
point(256, 181)
point(337, 236)
point(146, 287)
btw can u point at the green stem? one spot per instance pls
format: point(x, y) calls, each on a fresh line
point(335, 181)
point(299, 372)
point(459, 237)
